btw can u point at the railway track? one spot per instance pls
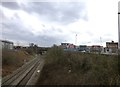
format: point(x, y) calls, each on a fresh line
point(26, 75)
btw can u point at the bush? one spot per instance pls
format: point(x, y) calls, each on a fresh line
point(9, 58)
point(55, 54)
point(14, 58)
point(30, 51)
point(86, 68)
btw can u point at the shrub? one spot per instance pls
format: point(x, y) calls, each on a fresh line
point(86, 68)
point(30, 51)
point(55, 54)
point(14, 58)
point(9, 57)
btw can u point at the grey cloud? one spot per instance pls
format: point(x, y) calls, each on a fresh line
point(13, 29)
point(56, 29)
point(51, 31)
point(11, 5)
point(21, 35)
point(62, 12)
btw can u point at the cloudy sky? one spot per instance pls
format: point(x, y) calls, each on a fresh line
point(51, 22)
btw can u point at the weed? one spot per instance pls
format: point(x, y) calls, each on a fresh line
point(75, 68)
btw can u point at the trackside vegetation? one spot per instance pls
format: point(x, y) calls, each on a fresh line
point(13, 59)
point(76, 68)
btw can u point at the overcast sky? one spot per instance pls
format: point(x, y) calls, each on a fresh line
point(49, 22)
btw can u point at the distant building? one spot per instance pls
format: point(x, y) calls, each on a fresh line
point(71, 46)
point(96, 48)
point(6, 44)
point(89, 48)
point(82, 48)
point(112, 47)
point(68, 46)
point(64, 45)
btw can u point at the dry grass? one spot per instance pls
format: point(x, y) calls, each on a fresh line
point(11, 60)
point(75, 68)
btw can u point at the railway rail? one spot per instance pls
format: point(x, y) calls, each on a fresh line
point(26, 75)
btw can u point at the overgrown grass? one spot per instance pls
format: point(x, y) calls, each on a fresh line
point(55, 55)
point(12, 60)
point(75, 68)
